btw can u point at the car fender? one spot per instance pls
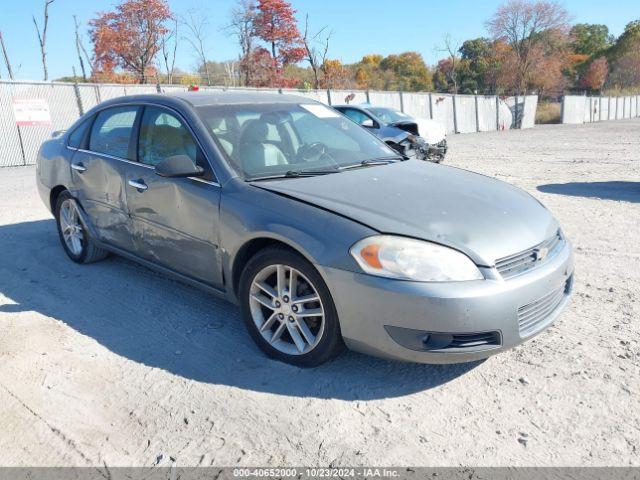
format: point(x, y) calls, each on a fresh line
point(249, 212)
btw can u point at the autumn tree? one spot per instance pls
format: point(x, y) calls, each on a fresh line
point(275, 24)
point(410, 71)
point(595, 75)
point(521, 23)
point(129, 37)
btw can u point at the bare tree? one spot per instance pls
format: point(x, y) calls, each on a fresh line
point(522, 23)
point(42, 36)
point(316, 47)
point(80, 48)
point(197, 24)
point(231, 72)
point(241, 25)
point(6, 57)
point(451, 48)
point(169, 51)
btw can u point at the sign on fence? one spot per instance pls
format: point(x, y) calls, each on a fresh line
point(31, 111)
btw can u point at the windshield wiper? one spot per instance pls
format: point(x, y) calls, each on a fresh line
point(309, 173)
point(375, 161)
point(297, 174)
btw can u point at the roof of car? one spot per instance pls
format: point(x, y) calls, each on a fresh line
point(227, 97)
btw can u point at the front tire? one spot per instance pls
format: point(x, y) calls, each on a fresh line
point(288, 310)
point(73, 235)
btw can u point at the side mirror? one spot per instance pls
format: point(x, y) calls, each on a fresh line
point(367, 123)
point(178, 166)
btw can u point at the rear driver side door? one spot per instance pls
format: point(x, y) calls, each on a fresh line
point(175, 220)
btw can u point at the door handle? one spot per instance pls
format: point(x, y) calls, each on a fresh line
point(138, 185)
point(78, 167)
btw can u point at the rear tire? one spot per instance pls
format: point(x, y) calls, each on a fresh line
point(292, 321)
point(75, 240)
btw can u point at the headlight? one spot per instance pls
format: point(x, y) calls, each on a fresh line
point(409, 259)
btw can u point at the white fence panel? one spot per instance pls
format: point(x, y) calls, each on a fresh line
point(318, 95)
point(529, 111)
point(384, 99)
point(506, 113)
point(573, 109)
point(487, 114)
point(417, 105)
point(465, 113)
point(619, 108)
point(442, 104)
point(339, 97)
point(604, 108)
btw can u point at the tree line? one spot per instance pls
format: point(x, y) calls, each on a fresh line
point(531, 46)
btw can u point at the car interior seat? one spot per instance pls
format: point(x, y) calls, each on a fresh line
point(255, 152)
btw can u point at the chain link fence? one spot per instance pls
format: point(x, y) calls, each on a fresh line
point(65, 102)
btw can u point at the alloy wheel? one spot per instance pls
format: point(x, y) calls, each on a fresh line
point(71, 227)
point(287, 309)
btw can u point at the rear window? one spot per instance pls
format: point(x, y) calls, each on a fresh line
point(111, 132)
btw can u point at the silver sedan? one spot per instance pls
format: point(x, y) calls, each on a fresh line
point(322, 234)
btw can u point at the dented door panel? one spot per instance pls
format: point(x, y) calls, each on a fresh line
point(100, 190)
point(175, 222)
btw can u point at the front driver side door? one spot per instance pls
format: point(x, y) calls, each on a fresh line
point(175, 220)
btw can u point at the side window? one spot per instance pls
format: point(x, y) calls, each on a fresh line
point(76, 139)
point(163, 135)
point(355, 115)
point(111, 132)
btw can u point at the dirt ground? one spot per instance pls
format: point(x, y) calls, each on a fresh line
point(112, 364)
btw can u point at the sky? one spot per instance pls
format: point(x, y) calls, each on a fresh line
point(359, 27)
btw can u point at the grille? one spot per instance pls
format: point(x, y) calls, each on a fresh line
point(521, 262)
point(533, 316)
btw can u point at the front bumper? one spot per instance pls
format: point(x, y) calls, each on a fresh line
point(407, 321)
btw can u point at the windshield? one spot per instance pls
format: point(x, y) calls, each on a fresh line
point(389, 115)
point(266, 140)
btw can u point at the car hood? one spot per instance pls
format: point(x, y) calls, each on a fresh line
point(432, 131)
point(485, 218)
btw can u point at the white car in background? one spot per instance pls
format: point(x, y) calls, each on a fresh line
point(420, 137)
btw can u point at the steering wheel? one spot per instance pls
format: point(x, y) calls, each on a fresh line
point(311, 151)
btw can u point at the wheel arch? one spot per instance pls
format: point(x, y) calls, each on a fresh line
point(54, 194)
point(250, 248)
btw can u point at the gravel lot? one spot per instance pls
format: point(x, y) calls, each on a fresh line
point(113, 364)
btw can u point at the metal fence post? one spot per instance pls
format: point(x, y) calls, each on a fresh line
point(366, 93)
point(329, 95)
point(401, 101)
point(430, 106)
point(497, 112)
point(475, 98)
point(455, 115)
